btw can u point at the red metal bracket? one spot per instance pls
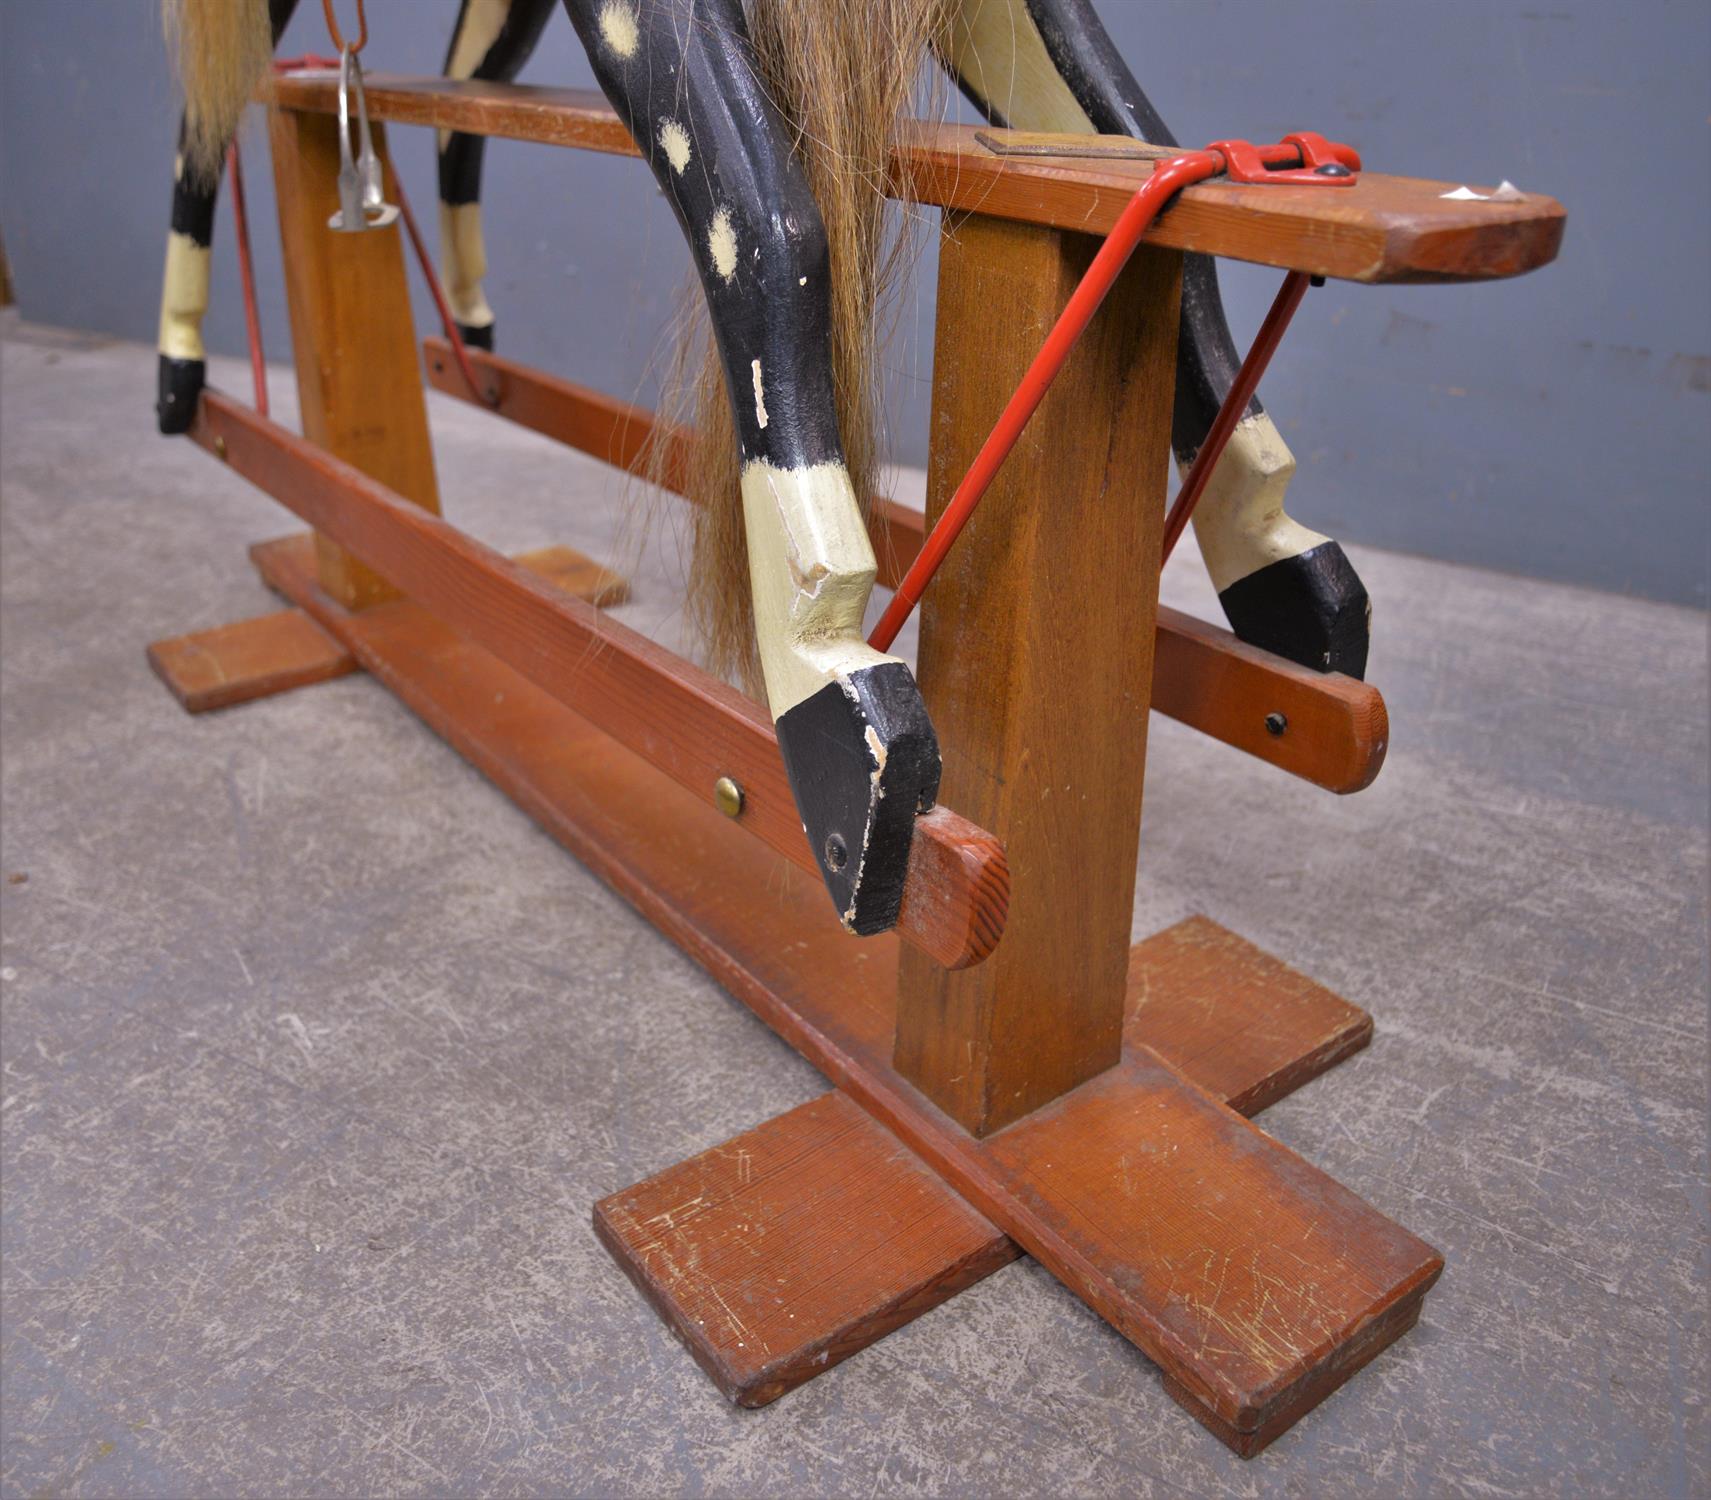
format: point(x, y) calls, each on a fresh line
point(1301, 159)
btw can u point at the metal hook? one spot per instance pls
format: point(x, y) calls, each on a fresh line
point(362, 199)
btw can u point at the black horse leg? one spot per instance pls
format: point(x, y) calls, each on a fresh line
point(856, 740)
point(492, 41)
point(1049, 65)
point(184, 295)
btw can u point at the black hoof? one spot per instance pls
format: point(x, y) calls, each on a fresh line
point(1311, 608)
point(180, 388)
point(863, 760)
point(476, 338)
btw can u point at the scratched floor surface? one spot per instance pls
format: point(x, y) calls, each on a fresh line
point(316, 1053)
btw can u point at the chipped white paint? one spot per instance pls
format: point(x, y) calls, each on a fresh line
point(811, 568)
point(876, 748)
point(674, 141)
point(1506, 192)
point(1240, 523)
point(481, 23)
point(463, 262)
point(760, 393)
point(618, 27)
point(184, 298)
point(722, 244)
point(802, 281)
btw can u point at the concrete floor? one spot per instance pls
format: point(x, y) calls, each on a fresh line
point(316, 1053)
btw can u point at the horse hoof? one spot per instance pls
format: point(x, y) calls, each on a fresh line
point(863, 760)
point(476, 338)
point(1311, 608)
point(179, 389)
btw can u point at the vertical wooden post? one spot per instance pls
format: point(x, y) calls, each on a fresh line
point(352, 335)
point(1036, 659)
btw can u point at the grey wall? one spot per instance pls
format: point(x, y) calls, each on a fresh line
point(1555, 425)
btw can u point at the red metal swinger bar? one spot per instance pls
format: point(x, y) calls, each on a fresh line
point(1300, 159)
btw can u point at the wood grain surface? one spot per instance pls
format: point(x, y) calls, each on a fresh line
point(352, 337)
point(1383, 229)
point(1036, 659)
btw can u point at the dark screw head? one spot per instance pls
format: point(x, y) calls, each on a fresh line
point(1275, 723)
point(1332, 169)
point(837, 856)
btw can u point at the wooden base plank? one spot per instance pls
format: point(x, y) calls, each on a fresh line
point(248, 659)
point(272, 654)
point(780, 1253)
point(784, 1251)
point(1251, 1278)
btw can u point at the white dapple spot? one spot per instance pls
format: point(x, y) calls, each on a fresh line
point(618, 27)
point(722, 242)
point(674, 141)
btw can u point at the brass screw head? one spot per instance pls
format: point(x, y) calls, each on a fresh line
point(220, 448)
point(727, 797)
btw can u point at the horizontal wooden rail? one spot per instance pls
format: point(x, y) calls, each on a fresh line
point(1334, 729)
point(685, 723)
point(1382, 229)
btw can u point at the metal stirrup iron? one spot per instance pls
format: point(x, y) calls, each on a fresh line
point(362, 197)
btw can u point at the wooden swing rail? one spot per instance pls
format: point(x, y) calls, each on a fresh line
point(1384, 229)
point(1325, 727)
point(685, 723)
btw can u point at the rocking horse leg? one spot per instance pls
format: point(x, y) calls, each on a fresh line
point(492, 41)
point(856, 740)
point(184, 295)
point(1049, 65)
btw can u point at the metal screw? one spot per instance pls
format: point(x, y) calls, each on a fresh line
point(1275, 723)
point(220, 449)
point(1332, 169)
point(727, 797)
point(836, 854)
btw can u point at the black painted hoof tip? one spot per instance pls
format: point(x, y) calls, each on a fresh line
point(178, 389)
point(863, 760)
point(476, 338)
point(1311, 609)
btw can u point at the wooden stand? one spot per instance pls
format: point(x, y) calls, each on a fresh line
point(1007, 1075)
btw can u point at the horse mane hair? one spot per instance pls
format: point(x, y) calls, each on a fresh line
point(842, 73)
point(223, 51)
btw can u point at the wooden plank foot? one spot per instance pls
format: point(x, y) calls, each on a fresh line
point(272, 654)
point(250, 659)
point(795, 1245)
point(780, 1253)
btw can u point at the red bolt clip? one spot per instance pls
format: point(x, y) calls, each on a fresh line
point(1303, 159)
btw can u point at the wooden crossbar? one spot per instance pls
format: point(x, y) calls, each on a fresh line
point(1384, 229)
point(687, 724)
point(1334, 729)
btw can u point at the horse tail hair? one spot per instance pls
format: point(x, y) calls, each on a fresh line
point(842, 73)
point(223, 50)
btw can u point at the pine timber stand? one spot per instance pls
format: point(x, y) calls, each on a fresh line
point(1054, 1092)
